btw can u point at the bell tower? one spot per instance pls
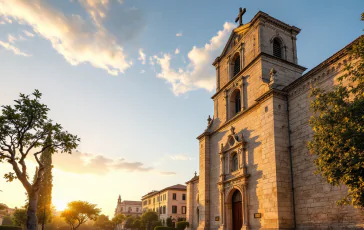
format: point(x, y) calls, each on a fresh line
point(245, 64)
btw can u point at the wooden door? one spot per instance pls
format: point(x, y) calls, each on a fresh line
point(237, 211)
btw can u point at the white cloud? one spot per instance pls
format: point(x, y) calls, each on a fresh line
point(142, 71)
point(96, 9)
point(199, 73)
point(178, 34)
point(11, 38)
point(181, 157)
point(13, 48)
point(176, 51)
point(71, 36)
point(28, 34)
point(142, 57)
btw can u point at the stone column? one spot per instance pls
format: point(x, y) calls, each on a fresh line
point(245, 207)
point(222, 208)
point(222, 164)
point(242, 55)
point(204, 182)
point(217, 77)
point(294, 50)
point(227, 105)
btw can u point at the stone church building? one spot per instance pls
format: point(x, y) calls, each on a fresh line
point(255, 170)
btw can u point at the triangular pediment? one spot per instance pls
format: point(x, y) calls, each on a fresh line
point(235, 36)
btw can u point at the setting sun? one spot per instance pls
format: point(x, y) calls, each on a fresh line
point(60, 205)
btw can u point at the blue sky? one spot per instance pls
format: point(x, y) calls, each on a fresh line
point(137, 118)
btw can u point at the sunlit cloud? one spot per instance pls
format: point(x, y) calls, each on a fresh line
point(11, 38)
point(176, 51)
point(142, 57)
point(71, 36)
point(142, 71)
point(198, 74)
point(178, 34)
point(85, 163)
point(96, 9)
point(28, 34)
point(13, 49)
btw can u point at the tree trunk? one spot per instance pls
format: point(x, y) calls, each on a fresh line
point(32, 220)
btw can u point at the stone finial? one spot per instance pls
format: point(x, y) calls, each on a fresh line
point(232, 129)
point(195, 173)
point(209, 120)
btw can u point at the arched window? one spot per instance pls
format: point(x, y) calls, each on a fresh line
point(235, 103)
point(234, 163)
point(277, 48)
point(237, 65)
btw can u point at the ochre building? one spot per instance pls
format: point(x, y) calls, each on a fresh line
point(168, 202)
point(255, 169)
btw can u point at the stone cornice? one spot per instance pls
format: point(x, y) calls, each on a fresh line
point(234, 179)
point(257, 58)
point(196, 178)
point(259, 100)
point(334, 58)
point(274, 21)
point(270, 93)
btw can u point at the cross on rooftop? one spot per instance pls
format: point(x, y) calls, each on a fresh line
point(240, 16)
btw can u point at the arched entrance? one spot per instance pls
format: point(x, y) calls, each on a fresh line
point(237, 210)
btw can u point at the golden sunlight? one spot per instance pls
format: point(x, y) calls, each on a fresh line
point(60, 205)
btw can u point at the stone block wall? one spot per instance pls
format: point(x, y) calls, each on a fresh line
point(315, 199)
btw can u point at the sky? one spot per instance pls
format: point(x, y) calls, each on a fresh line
point(133, 79)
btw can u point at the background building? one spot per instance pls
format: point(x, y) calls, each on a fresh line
point(128, 208)
point(168, 202)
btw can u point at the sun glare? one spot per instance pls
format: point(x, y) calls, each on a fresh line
point(60, 205)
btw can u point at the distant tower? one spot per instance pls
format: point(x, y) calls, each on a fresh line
point(119, 200)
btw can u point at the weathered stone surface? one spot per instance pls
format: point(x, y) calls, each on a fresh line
point(268, 132)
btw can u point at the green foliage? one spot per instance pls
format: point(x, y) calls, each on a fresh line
point(78, 212)
point(181, 219)
point(339, 130)
point(156, 223)
point(7, 227)
point(137, 224)
point(104, 223)
point(129, 222)
point(57, 223)
point(26, 130)
point(169, 222)
point(163, 228)
point(148, 218)
point(118, 219)
point(19, 217)
point(181, 225)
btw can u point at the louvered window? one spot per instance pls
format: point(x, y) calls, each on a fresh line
point(237, 65)
point(277, 49)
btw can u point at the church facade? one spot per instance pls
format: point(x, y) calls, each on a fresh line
point(255, 171)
